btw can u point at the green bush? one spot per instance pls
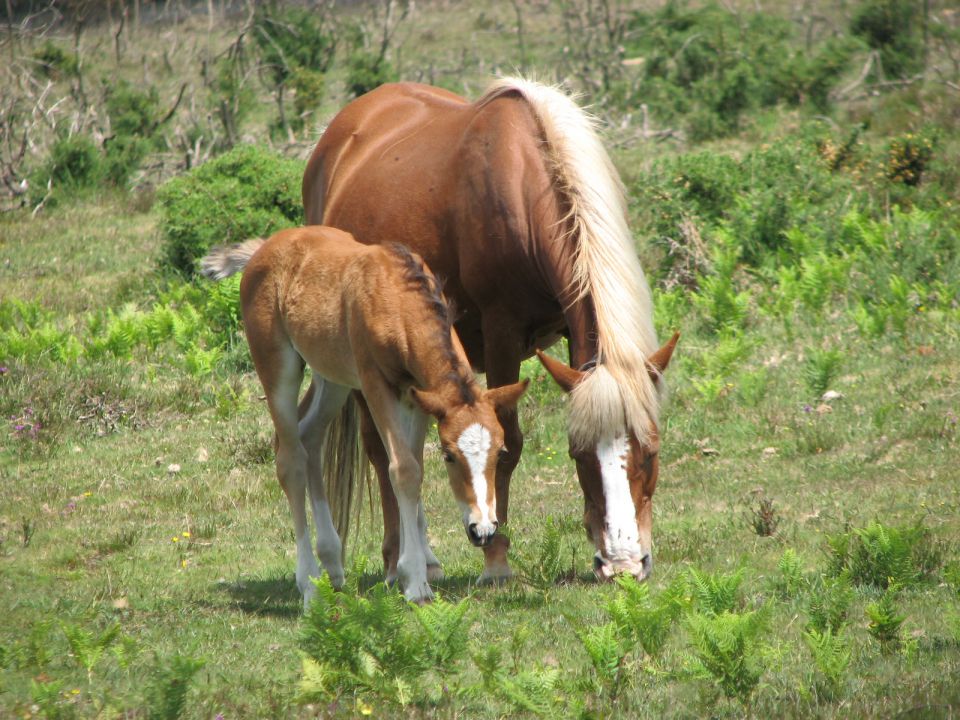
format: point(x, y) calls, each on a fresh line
point(883, 556)
point(75, 164)
point(54, 61)
point(247, 192)
point(892, 27)
point(366, 71)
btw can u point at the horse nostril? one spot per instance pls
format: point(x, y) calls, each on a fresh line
point(472, 532)
point(496, 525)
point(598, 562)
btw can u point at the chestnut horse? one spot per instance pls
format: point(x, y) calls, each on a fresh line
point(369, 318)
point(513, 200)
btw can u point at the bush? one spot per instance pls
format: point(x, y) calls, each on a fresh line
point(247, 192)
point(55, 62)
point(75, 163)
point(366, 71)
point(891, 27)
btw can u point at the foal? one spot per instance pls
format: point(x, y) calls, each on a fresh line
point(369, 318)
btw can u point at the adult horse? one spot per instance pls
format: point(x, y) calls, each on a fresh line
point(370, 319)
point(513, 200)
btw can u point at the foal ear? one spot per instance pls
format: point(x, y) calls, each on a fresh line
point(507, 396)
point(431, 403)
point(566, 376)
point(659, 360)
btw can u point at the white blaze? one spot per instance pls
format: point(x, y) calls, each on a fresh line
point(474, 443)
point(622, 536)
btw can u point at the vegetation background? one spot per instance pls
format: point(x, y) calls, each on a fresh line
point(793, 170)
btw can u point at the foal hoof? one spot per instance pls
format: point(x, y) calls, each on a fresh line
point(435, 573)
point(419, 594)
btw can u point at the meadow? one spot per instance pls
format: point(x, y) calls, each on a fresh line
point(793, 183)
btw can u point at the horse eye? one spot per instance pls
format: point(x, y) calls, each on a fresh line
point(447, 456)
point(503, 452)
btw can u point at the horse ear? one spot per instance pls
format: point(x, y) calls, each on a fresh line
point(659, 360)
point(507, 396)
point(566, 376)
point(431, 403)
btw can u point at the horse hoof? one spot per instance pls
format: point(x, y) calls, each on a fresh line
point(495, 576)
point(435, 573)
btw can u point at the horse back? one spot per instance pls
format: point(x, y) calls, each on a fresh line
point(465, 185)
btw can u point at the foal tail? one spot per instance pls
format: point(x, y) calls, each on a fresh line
point(345, 468)
point(223, 261)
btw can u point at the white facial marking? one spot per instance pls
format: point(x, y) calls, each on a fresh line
point(622, 536)
point(474, 443)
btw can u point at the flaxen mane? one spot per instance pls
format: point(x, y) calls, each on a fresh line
point(619, 390)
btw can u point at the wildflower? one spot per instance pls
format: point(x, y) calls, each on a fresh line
point(175, 539)
point(186, 534)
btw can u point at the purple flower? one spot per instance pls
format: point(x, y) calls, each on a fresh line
point(807, 408)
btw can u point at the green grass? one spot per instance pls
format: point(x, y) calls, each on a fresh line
point(141, 495)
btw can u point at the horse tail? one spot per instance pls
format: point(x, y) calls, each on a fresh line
point(345, 468)
point(225, 260)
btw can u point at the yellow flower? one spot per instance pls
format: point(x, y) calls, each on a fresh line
point(364, 708)
point(186, 534)
point(175, 539)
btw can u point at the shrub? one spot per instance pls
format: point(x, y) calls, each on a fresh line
point(831, 654)
point(829, 603)
point(247, 192)
point(133, 111)
point(54, 61)
point(75, 163)
point(883, 556)
point(726, 646)
point(891, 26)
point(366, 71)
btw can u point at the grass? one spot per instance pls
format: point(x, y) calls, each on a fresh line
point(170, 523)
point(145, 497)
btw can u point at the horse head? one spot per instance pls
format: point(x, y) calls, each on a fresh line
point(618, 469)
point(471, 439)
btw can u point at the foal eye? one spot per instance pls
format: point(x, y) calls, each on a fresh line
point(447, 456)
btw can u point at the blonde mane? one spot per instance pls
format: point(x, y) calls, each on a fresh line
point(620, 391)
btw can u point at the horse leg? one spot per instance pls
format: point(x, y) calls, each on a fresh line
point(395, 424)
point(281, 371)
point(388, 501)
point(502, 364)
point(319, 407)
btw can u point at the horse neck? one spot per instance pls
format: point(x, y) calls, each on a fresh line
point(439, 364)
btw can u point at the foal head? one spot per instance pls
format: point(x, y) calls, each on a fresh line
point(471, 439)
point(617, 467)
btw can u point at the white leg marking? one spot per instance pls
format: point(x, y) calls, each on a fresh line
point(622, 536)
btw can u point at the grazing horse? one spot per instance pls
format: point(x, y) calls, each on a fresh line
point(513, 200)
point(368, 318)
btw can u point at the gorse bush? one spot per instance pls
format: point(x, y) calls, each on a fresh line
point(891, 27)
point(247, 192)
point(708, 66)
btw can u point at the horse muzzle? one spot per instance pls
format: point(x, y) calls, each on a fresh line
point(606, 569)
point(481, 534)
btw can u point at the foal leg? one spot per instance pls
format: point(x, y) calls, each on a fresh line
point(393, 421)
point(388, 501)
point(281, 371)
point(317, 410)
